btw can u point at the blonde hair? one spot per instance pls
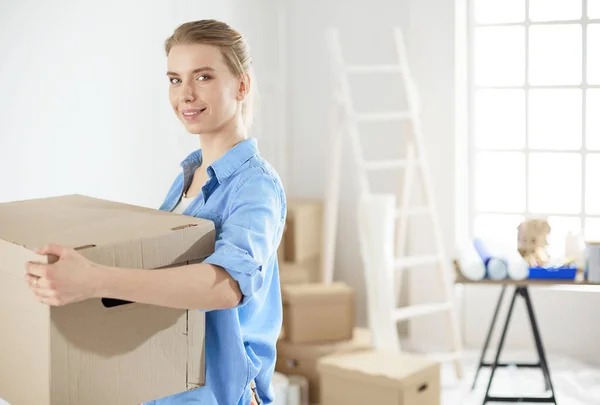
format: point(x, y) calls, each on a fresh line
point(233, 46)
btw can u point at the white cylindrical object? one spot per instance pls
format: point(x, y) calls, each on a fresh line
point(518, 268)
point(592, 261)
point(376, 227)
point(497, 269)
point(280, 384)
point(297, 390)
point(471, 265)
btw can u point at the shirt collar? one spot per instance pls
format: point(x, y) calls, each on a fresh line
point(227, 164)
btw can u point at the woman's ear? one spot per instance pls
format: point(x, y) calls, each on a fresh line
point(244, 88)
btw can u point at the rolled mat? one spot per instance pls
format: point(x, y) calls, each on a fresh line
point(470, 263)
point(497, 268)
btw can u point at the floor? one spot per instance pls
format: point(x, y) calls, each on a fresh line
point(575, 383)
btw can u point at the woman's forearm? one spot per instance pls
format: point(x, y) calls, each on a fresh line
point(194, 286)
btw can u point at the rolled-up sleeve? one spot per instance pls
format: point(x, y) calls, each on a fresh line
point(249, 233)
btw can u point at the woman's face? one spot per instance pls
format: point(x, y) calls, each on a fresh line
point(203, 92)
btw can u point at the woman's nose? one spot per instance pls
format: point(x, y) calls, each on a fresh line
point(187, 93)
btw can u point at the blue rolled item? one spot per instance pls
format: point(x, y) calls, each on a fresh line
point(497, 268)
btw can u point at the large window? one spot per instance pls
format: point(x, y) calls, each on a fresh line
point(535, 115)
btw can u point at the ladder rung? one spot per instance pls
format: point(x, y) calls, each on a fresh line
point(374, 69)
point(417, 260)
point(385, 164)
point(384, 116)
point(413, 311)
point(413, 211)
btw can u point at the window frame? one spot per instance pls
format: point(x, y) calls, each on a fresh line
point(472, 87)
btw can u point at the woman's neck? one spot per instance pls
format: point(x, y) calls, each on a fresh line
point(217, 144)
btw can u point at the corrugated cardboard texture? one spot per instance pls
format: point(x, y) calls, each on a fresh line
point(304, 229)
point(24, 339)
point(127, 350)
point(314, 313)
point(381, 377)
point(88, 353)
point(301, 359)
point(108, 232)
point(196, 347)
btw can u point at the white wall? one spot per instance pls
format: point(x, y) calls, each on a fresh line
point(83, 97)
point(568, 324)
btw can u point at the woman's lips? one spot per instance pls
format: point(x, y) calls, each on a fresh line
point(192, 113)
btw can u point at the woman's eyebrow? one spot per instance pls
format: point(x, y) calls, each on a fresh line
point(198, 70)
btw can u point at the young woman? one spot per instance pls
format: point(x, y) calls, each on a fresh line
point(227, 182)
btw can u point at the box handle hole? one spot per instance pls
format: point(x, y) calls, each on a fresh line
point(111, 302)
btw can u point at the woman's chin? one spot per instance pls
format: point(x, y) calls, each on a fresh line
point(195, 128)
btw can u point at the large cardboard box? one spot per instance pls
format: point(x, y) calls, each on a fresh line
point(99, 351)
point(303, 229)
point(301, 359)
point(316, 312)
point(379, 377)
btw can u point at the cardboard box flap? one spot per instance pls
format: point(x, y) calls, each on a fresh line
point(316, 293)
point(382, 367)
point(107, 232)
point(361, 340)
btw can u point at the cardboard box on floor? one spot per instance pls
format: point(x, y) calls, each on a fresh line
point(379, 377)
point(301, 359)
point(97, 352)
point(316, 313)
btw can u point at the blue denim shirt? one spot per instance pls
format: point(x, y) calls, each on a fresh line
point(245, 199)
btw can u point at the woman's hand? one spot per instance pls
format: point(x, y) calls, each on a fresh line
point(72, 278)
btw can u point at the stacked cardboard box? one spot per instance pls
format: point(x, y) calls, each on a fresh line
point(98, 351)
point(320, 341)
point(303, 358)
point(318, 318)
point(300, 249)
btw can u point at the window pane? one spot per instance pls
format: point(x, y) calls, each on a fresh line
point(499, 181)
point(498, 231)
point(500, 119)
point(559, 227)
point(500, 56)
point(593, 54)
point(592, 185)
point(592, 229)
point(494, 11)
point(554, 10)
point(555, 183)
point(593, 119)
point(555, 54)
point(555, 119)
point(593, 8)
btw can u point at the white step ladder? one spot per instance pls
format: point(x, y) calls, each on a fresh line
point(376, 254)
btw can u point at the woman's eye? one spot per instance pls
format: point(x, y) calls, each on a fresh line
point(202, 78)
point(174, 80)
